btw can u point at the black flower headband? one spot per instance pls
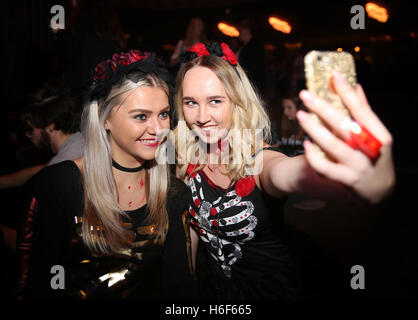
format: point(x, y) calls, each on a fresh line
point(122, 65)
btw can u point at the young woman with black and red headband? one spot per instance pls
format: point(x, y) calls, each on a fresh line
point(111, 221)
point(237, 182)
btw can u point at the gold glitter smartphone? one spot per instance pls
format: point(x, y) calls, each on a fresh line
point(319, 66)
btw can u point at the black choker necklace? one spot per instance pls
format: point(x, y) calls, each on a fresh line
point(119, 167)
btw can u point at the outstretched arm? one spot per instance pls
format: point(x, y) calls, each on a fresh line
point(351, 172)
point(18, 178)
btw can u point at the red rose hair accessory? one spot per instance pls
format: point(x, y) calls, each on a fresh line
point(123, 65)
point(221, 50)
point(132, 56)
point(100, 70)
point(245, 186)
point(229, 55)
point(199, 49)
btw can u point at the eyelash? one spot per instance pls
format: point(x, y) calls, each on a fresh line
point(192, 103)
point(166, 114)
point(189, 103)
point(137, 117)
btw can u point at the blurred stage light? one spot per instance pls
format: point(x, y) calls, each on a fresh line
point(357, 49)
point(280, 25)
point(228, 30)
point(376, 12)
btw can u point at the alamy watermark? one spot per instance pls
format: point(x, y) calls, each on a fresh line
point(58, 280)
point(235, 146)
point(358, 20)
point(358, 280)
point(58, 20)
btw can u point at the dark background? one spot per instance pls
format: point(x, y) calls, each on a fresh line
point(382, 238)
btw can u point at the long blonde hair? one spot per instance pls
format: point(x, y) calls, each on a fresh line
point(102, 225)
point(247, 113)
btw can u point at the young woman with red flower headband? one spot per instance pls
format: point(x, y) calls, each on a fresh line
point(113, 219)
point(232, 212)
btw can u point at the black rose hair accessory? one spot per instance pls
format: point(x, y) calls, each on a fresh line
point(123, 66)
point(218, 49)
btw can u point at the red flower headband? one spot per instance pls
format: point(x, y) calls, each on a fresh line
point(112, 71)
point(221, 50)
point(121, 59)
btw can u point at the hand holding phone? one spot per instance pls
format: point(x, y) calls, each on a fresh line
point(319, 66)
point(357, 144)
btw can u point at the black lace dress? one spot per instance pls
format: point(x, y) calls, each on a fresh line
point(51, 236)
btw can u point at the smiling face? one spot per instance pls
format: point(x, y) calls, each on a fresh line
point(206, 106)
point(135, 126)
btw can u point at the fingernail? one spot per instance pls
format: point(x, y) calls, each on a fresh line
point(304, 94)
point(302, 115)
point(307, 144)
point(337, 76)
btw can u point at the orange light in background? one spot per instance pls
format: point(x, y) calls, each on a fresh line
point(280, 25)
point(295, 45)
point(228, 30)
point(376, 12)
point(340, 49)
point(169, 47)
point(357, 49)
point(269, 47)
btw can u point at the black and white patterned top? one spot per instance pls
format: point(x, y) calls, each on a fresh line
point(245, 257)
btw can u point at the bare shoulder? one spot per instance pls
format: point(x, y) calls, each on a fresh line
point(269, 155)
point(79, 163)
point(263, 159)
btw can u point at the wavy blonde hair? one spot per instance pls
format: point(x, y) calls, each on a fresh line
point(247, 113)
point(102, 224)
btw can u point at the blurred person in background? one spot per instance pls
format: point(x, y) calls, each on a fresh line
point(195, 33)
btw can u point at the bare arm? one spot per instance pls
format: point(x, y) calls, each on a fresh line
point(18, 178)
point(283, 175)
point(350, 174)
point(175, 58)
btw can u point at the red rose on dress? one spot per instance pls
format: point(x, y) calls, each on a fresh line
point(213, 212)
point(245, 186)
point(229, 55)
point(199, 49)
point(197, 202)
